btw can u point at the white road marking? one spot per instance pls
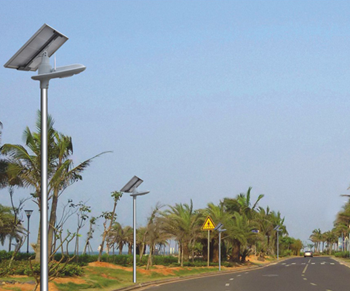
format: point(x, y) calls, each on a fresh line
point(227, 284)
point(305, 279)
point(332, 264)
point(312, 263)
point(313, 284)
point(293, 263)
point(239, 275)
point(305, 269)
point(231, 279)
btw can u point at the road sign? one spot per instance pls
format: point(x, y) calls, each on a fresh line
point(208, 224)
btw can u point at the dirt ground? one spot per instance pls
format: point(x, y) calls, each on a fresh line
point(78, 280)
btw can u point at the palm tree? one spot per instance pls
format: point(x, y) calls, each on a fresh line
point(331, 238)
point(23, 167)
point(243, 206)
point(141, 240)
point(128, 233)
point(154, 233)
point(6, 222)
point(342, 223)
point(265, 227)
point(116, 236)
point(181, 221)
point(316, 238)
point(240, 233)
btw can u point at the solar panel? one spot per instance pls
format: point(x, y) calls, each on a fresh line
point(132, 185)
point(27, 58)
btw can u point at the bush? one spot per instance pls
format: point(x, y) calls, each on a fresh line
point(342, 254)
point(23, 268)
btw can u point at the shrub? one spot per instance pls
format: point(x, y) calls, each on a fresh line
point(342, 254)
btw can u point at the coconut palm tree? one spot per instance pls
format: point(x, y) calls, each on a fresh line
point(242, 205)
point(181, 221)
point(155, 233)
point(240, 234)
point(6, 222)
point(128, 234)
point(316, 238)
point(23, 168)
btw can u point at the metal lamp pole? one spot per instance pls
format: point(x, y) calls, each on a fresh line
point(134, 195)
point(277, 228)
point(28, 213)
point(220, 230)
point(131, 188)
point(32, 56)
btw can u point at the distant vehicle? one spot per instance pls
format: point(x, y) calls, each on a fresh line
point(308, 254)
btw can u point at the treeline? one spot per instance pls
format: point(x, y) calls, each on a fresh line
point(249, 227)
point(336, 239)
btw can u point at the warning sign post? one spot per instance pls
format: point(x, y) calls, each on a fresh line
point(208, 225)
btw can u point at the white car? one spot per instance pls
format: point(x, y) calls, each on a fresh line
point(308, 254)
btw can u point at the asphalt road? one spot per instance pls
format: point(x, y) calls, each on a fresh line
point(297, 274)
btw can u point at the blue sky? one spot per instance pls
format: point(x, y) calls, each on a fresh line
point(201, 99)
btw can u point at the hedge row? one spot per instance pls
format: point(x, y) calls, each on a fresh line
point(23, 268)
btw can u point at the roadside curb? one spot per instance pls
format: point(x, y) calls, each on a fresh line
point(341, 261)
point(184, 278)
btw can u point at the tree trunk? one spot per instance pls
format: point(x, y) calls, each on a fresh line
point(52, 221)
point(149, 261)
point(214, 251)
point(182, 256)
point(120, 247)
point(106, 231)
point(185, 251)
point(38, 241)
point(236, 251)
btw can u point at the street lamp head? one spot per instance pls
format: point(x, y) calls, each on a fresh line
point(28, 212)
point(135, 193)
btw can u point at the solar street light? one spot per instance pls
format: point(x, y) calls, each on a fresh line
point(131, 188)
point(28, 213)
point(277, 228)
point(32, 56)
point(219, 228)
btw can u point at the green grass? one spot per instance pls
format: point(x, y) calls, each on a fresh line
point(104, 278)
point(95, 278)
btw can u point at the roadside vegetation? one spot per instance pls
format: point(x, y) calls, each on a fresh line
point(335, 241)
point(250, 228)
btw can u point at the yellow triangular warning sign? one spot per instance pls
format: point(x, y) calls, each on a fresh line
point(208, 224)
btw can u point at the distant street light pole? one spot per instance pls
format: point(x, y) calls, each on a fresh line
point(29, 213)
point(131, 188)
point(277, 228)
point(220, 230)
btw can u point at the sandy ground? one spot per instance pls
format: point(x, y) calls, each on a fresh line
point(78, 280)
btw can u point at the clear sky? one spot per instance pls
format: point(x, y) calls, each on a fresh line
point(200, 99)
